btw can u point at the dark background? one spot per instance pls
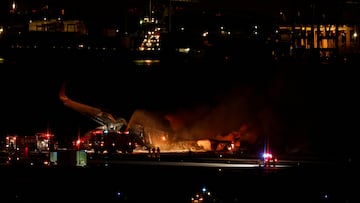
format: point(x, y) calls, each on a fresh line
point(302, 104)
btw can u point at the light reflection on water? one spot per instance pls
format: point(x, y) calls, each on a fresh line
point(76, 57)
point(146, 62)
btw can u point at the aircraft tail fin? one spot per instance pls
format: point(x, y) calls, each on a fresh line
point(96, 114)
point(62, 95)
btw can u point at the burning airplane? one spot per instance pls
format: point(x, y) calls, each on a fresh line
point(201, 128)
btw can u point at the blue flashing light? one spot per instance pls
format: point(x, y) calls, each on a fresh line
point(204, 189)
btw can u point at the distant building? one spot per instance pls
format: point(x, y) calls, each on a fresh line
point(56, 25)
point(325, 40)
point(293, 28)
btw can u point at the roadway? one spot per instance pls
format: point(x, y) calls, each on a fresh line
point(210, 160)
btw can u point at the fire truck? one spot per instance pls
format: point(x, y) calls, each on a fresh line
point(104, 141)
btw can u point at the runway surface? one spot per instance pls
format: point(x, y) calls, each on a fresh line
point(178, 178)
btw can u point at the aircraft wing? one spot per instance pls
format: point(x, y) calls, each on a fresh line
point(96, 114)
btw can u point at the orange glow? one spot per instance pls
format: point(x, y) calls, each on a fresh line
point(26, 152)
point(175, 122)
point(206, 144)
